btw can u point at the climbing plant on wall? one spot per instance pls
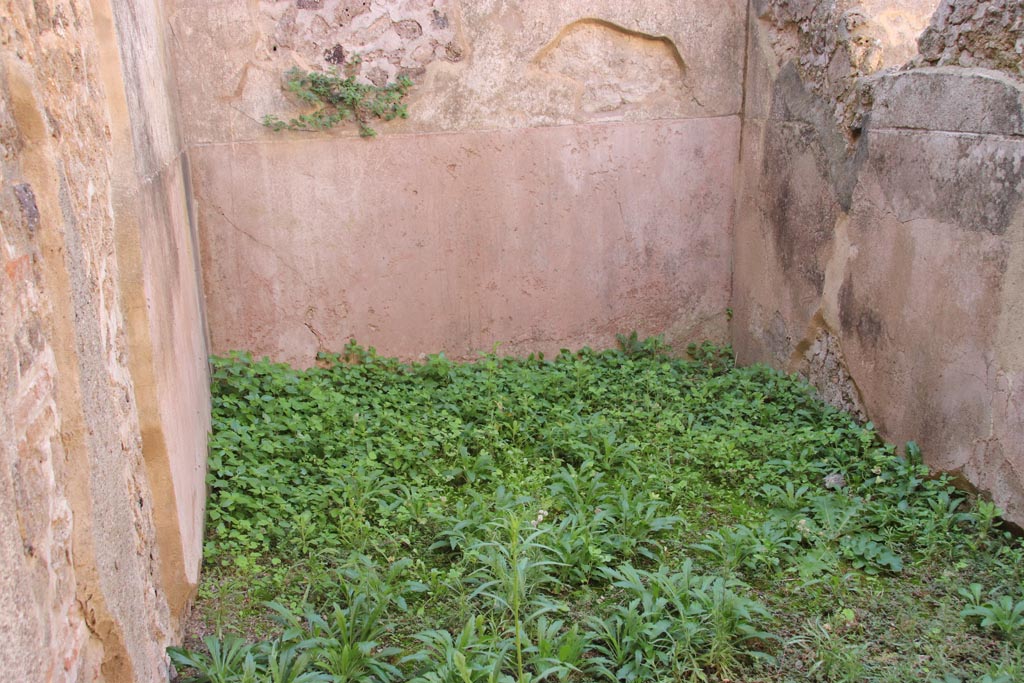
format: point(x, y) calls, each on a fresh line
point(337, 99)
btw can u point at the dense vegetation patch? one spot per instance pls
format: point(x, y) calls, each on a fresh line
point(602, 516)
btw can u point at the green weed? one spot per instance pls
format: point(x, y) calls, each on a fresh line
point(337, 99)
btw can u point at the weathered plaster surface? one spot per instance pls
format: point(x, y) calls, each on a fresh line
point(87, 547)
point(928, 314)
point(971, 101)
point(538, 239)
point(158, 261)
point(478, 65)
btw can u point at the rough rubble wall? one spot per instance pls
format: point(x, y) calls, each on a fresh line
point(378, 42)
point(82, 569)
point(819, 357)
point(979, 33)
point(834, 44)
point(874, 253)
point(45, 629)
point(43, 624)
point(565, 173)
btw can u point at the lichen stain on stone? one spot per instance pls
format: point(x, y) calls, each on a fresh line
point(439, 20)
point(29, 210)
point(857, 319)
point(336, 55)
point(615, 69)
point(408, 29)
point(453, 53)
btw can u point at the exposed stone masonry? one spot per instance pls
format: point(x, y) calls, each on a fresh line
point(832, 46)
point(376, 41)
point(975, 33)
point(880, 255)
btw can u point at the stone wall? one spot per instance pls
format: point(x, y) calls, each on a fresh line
point(85, 529)
point(878, 233)
point(565, 174)
point(931, 314)
point(975, 33)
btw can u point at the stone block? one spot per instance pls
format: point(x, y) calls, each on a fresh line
point(950, 99)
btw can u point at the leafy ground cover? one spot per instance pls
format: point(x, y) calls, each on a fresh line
point(600, 516)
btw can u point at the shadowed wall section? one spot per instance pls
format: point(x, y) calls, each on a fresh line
point(880, 218)
point(157, 251)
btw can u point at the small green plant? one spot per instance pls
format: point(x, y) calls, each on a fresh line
point(336, 99)
point(473, 655)
point(633, 346)
point(682, 621)
point(715, 358)
point(737, 548)
point(833, 657)
point(1002, 614)
point(513, 574)
point(223, 662)
point(556, 650)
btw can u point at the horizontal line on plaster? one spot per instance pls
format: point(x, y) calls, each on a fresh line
point(170, 163)
point(320, 137)
point(1013, 137)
